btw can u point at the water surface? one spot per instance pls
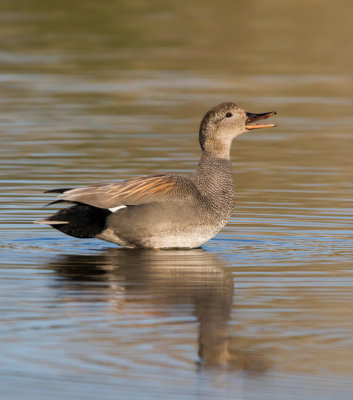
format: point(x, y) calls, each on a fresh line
point(98, 92)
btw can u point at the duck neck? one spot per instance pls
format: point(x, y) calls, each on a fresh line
point(212, 162)
point(218, 148)
point(214, 176)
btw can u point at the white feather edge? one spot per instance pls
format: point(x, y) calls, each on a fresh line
point(113, 209)
point(48, 222)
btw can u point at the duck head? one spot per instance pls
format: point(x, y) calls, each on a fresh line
point(223, 123)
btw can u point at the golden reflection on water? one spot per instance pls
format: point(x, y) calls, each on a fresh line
point(242, 37)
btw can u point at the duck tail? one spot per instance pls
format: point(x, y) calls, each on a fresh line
point(80, 220)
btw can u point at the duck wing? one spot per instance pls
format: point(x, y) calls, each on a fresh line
point(143, 189)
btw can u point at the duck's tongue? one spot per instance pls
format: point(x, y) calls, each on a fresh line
point(255, 117)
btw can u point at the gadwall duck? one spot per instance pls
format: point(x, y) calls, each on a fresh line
point(163, 211)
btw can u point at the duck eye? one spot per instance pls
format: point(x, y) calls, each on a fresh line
point(228, 115)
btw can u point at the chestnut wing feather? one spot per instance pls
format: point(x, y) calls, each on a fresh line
point(134, 191)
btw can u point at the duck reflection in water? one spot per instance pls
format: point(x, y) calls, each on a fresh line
point(169, 280)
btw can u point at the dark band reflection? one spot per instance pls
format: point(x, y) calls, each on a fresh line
point(174, 280)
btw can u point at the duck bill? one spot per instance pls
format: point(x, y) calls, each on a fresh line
point(250, 117)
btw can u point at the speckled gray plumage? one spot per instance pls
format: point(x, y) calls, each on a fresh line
point(188, 217)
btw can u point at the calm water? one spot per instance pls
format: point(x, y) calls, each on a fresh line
point(99, 91)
